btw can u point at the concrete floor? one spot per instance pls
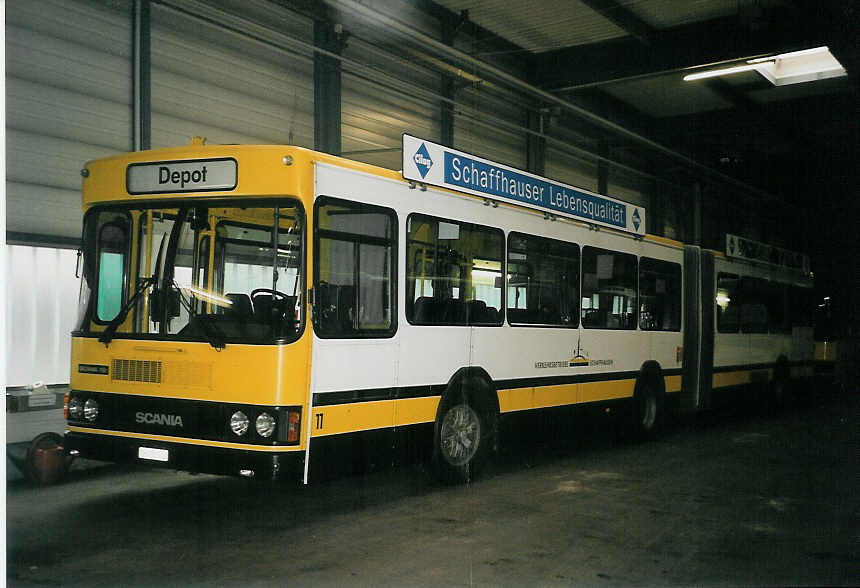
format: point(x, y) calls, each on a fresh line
point(735, 499)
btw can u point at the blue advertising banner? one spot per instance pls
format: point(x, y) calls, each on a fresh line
point(437, 165)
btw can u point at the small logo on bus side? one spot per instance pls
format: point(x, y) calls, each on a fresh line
point(637, 220)
point(422, 160)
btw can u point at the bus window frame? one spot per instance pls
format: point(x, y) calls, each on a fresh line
point(737, 294)
point(93, 313)
point(760, 287)
point(680, 298)
point(125, 207)
point(393, 277)
point(577, 302)
point(635, 318)
point(502, 262)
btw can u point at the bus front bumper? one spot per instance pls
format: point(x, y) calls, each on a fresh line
point(192, 458)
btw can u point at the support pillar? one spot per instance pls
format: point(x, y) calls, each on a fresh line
point(327, 88)
point(655, 223)
point(697, 214)
point(603, 167)
point(449, 27)
point(535, 145)
point(141, 131)
point(446, 115)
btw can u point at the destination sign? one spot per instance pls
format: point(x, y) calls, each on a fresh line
point(743, 248)
point(169, 177)
point(438, 165)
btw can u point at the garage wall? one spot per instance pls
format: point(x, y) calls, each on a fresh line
point(68, 100)
point(571, 170)
point(208, 81)
point(377, 106)
point(479, 127)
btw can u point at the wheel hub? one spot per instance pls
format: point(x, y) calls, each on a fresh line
point(460, 434)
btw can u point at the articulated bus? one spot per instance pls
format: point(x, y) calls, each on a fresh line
point(243, 305)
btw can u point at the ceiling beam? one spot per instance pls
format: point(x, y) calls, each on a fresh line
point(487, 43)
point(623, 18)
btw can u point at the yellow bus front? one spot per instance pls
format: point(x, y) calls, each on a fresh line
point(192, 348)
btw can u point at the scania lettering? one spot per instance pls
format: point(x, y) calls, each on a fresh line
point(150, 418)
point(266, 326)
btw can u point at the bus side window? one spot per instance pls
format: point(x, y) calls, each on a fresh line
point(355, 269)
point(728, 303)
point(754, 305)
point(543, 281)
point(453, 272)
point(659, 295)
point(608, 289)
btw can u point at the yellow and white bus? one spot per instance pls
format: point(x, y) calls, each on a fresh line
point(243, 305)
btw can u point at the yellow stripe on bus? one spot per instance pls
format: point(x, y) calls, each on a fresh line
point(515, 399)
point(412, 411)
point(596, 391)
point(740, 378)
point(185, 440)
point(352, 417)
point(366, 416)
point(559, 395)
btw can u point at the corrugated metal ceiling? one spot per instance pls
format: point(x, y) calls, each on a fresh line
point(539, 28)
point(543, 26)
point(662, 14)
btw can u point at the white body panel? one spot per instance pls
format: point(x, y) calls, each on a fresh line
point(430, 355)
point(742, 349)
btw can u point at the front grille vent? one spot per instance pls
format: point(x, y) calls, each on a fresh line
point(136, 370)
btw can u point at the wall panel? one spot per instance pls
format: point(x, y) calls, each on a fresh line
point(68, 84)
point(211, 82)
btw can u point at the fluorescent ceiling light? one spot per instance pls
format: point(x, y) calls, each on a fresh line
point(713, 73)
point(784, 69)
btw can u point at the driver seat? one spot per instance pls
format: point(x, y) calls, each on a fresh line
point(241, 306)
point(263, 308)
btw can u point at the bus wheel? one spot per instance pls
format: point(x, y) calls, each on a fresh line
point(647, 410)
point(464, 436)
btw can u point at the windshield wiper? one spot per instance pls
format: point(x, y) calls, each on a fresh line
point(107, 335)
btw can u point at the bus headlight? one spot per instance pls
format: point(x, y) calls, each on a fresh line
point(239, 423)
point(265, 424)
point(76, 408)
point(91, 410)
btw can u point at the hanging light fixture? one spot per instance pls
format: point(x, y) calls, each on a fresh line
point(784, 69)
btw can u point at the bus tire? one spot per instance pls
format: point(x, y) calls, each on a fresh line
point(648, 408)
point(465, 431)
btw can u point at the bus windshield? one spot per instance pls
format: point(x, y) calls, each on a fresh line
point(197, 272)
